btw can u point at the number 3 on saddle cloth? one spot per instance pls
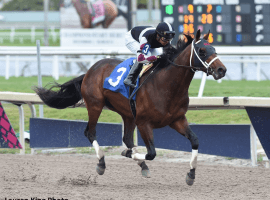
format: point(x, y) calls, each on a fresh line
point(115, 81)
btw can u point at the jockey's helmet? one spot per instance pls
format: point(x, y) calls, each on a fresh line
point(164, 29)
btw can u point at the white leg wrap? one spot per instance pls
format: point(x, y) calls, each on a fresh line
point(99, 152)
point(137, 156)
point(193, 161)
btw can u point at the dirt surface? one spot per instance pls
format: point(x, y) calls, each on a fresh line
point(73, 177)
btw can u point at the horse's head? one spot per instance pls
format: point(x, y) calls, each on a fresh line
point(205, 56)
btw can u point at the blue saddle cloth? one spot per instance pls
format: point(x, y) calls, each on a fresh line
point(115, 81)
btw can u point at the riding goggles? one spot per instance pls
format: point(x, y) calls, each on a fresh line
point(166, 39)
point(168, 34)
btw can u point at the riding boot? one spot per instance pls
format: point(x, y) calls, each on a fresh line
point(131, 79)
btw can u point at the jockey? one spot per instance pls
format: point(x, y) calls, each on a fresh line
point(146, 43)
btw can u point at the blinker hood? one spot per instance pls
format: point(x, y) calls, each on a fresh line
point(209, 51)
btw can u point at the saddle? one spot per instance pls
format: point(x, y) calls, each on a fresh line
point(145, 68)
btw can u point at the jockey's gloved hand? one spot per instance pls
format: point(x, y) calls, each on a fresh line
point(162, 56)
point(152, 58)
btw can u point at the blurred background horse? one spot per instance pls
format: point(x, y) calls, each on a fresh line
point(96, 13)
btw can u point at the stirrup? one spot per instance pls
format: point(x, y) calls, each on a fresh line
point(129, 82)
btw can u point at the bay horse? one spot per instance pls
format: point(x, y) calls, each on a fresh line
point(110, 10)
point(163, 99)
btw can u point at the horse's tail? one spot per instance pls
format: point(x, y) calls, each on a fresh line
point(65, 95)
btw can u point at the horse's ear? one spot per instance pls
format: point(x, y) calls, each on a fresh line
point(184, 38)
point(206, 36)
point(198, 35)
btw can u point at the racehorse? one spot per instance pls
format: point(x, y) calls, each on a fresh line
point(86, 14)
point(162, 100)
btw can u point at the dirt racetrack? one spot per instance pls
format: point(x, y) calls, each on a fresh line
point(74, 177)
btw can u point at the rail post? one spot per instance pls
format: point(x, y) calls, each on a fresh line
point(22, 141)
point(17, 73)
point(55, 67)
point(202, 85)
point(253, 146)
point(7, 66)
point(258, 71)
point(39, 75)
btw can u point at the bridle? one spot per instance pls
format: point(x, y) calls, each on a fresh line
point(207, 69)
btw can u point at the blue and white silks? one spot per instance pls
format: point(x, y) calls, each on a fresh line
point(115, 81)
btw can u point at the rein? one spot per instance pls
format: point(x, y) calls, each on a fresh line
point(207, 68)
point(190, 67)
point(134, 92)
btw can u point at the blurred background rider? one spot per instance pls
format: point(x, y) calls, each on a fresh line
point(147, 43)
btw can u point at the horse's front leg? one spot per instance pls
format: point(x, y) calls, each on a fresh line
point(183, 128)
point(129, 126)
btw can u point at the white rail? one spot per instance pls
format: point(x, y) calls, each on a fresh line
point(195, 103)
point(225, 51)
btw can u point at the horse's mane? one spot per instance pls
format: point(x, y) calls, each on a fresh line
point(171, 52)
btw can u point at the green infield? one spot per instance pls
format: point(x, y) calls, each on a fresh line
point(25, 37)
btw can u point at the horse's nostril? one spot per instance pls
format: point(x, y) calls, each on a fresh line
point(221, 71)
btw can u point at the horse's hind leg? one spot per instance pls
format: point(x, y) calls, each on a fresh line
point(183, 128)
point(128, 139)
point(90, 133)
point(111, 13)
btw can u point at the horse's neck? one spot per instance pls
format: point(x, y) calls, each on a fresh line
point(181, 76)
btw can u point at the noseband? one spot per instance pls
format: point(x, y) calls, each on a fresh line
point(200, 62)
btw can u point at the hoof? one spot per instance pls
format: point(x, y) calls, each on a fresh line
point(189, 180)
point(146, 173)
point(145, 170)
point(100, 170)
point(101, 166)
point(126, 153)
